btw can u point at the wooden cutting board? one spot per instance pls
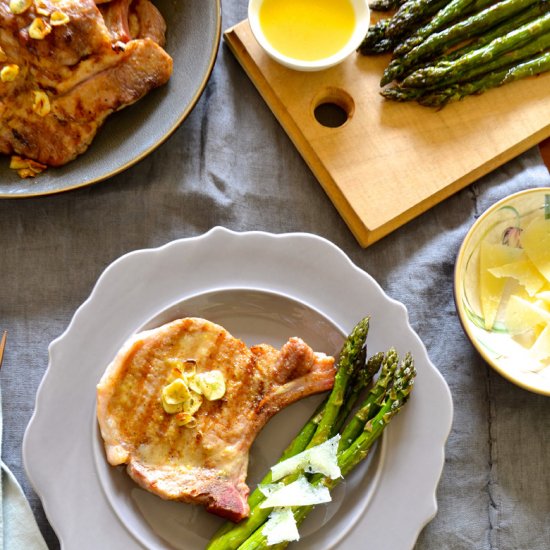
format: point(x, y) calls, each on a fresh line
point(389, 162)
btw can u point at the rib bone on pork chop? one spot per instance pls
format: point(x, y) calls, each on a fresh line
point(86, 68)
point(205, 464)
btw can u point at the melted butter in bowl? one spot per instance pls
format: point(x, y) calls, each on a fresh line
point(309, 35)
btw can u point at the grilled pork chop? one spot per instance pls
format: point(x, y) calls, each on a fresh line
point(68, 81)
point(130, 19)
point(205, 464)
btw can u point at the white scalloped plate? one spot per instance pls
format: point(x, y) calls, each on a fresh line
point(237, 278)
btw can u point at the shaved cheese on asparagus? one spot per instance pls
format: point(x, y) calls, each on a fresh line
point(297, 493)
point(280, 527)
point(320, 459)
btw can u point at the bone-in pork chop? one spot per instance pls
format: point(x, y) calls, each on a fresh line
point(64, 69)
point(207, 463)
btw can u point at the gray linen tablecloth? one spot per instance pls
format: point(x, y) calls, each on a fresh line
point(231, 164)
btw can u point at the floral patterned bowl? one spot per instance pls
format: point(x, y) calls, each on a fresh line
point(508, 352)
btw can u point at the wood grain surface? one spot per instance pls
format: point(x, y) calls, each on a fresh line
point(389, 162)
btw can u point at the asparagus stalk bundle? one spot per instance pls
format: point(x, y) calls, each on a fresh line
point(535, 66)
point(432, 75)
point(532, 12)
point(383, 401)
point(531, 49)
point(386, 34)
point(373, 401)
point(352, 358)
point(364, 378)
point(464, 45)
point(437, 42)
point(385, 5)
point(376, 41)
point(497, 76)
point(456, 9)
point(412, 12)
point(351, 453)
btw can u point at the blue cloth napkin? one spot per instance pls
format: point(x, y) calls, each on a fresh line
point(18, 528)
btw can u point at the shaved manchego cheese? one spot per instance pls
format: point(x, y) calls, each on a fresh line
point(280, 527)
point(297, 493)
point(525, 273)
point(541, 348)
point(544, 296)
point(535, 240)
point(491, 288)
point(522, 315)
point(320, 459)
point(269, 488)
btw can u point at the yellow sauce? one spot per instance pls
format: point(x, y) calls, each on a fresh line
point(307, 30)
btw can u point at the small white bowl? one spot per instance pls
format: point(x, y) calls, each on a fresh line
point(496, 345)
point(362, 21)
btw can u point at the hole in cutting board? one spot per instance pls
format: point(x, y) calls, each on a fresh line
point(333, 107)
point(330, 115)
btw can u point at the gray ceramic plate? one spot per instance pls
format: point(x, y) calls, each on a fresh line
point(194, 29)
point(254, 316)
point(235, 279)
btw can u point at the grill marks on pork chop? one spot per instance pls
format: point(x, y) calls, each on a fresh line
point(87, 68)
point(206, 464)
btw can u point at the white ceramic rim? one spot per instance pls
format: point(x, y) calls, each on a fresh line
point(458, 292)
point(362, 13)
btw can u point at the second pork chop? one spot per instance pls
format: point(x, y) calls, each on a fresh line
point(66, 81)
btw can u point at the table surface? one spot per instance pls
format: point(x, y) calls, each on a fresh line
point(231, 164)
